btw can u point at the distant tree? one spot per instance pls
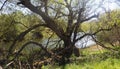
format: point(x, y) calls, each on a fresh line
point(8, 29)
point(110, 20)
point(11, 25)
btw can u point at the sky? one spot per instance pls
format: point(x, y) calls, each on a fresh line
point(110, 5)
point(106, 4)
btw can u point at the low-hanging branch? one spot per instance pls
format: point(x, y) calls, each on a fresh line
point(102, 45)
point(21, 36)
point(27, 44)
point(77, 24)
point(91, 34)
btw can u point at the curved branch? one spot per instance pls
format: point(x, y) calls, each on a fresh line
point(91, 34)
point(49, 21)
point(102, 45)
point(89, 18)
point(26, 44)
point(21, 35)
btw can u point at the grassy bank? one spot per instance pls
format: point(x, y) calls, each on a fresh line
point(96, 60)
point(109, 63)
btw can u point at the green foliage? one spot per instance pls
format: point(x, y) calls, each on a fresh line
point(8, 30)
point(104, 60)
point(13, 24)
point(62, 24)
point(89, 26)
point(109, 20)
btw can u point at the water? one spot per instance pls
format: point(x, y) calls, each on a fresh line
point(82, 43)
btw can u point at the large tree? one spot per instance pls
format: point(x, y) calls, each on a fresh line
point(53, 13)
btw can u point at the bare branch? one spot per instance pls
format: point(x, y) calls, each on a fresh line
point(21, 36)
point(46, 9)
point(49, 21)
point(58, 11)
point(99, 43)
point(91, 34)
point(3, 4)
point(77, 24)
point(56, 42)
point(26, 44)
point(89, 18)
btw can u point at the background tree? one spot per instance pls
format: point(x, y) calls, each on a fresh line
point(110, 20)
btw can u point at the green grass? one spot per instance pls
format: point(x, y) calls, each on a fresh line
point(94, 60)
point(110, 63)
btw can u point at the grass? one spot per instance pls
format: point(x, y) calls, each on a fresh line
point(110, 63)
point(101, 59)
point(94, 60)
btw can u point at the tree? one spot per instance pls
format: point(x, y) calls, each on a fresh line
point(71, 13)
point(108, 20)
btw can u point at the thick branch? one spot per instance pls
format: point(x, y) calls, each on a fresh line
point(70, 18)
point(102, 45)
point(21, 36)
point(77, 24)
point(91, 34)
point(50, 22)
point(26, 44)
point(89, 18)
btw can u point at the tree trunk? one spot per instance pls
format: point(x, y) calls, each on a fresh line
point(67, 51)
point(76, 51)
